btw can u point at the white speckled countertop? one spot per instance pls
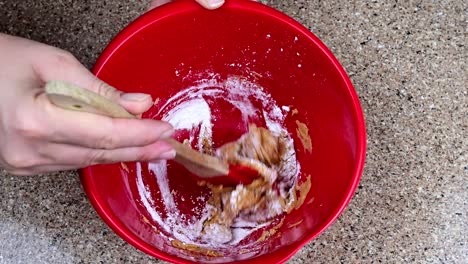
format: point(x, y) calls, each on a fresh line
point(408, 62)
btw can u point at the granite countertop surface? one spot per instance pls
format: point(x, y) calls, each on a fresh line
point(408, 62)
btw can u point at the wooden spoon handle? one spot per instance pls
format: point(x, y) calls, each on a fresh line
point(74, 98)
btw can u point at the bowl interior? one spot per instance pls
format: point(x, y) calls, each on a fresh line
point(180, 45)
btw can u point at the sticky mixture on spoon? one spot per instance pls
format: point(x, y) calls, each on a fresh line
point(266, 197)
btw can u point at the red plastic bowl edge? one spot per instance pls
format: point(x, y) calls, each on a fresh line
point(183, 6)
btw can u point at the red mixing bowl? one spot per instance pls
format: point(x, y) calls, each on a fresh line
point(177, 45)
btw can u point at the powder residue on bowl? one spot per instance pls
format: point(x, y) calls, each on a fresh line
point(189, 110)
point(270, 232)
point(301, 191)
point(195, 249)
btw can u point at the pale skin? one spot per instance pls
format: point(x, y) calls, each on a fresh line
point(37, 137)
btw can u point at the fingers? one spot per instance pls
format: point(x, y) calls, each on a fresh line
point(79, 157)
point(156, 151)
point(100, 132)
point(211, 4)
point(73, 157)
point(208, 4)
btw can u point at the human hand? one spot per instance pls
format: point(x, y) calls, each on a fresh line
point(209, 4)
point(38, 137)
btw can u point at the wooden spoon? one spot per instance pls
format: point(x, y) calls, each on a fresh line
point(209, 168)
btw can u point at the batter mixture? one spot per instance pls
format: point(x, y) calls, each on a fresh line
point(266, 197)
point(230, 214)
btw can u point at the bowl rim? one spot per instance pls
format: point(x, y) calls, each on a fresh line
point(181, 6)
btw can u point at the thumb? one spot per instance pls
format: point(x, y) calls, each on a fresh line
point(135, 103)
point(61, 65)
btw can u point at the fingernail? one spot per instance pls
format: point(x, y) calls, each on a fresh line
point(156, 3)
point(135, 97)
point(168, 155)
point(213, 4)
point(167, 133)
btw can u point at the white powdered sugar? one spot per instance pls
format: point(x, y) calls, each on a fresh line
point(274, 120)
point(171, 224)
point(192, 114)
